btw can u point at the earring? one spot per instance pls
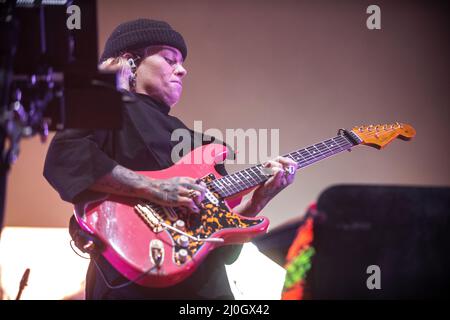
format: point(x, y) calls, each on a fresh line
point(132, 81)
point(131, 63)
point(132, 77)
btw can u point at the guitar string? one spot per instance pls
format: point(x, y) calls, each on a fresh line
point(306, 161)
point(342, 144)
point(336, 147)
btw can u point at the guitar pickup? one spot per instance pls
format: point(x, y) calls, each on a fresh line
point(209, 195)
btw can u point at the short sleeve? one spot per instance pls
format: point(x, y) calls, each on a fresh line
point(75, 160)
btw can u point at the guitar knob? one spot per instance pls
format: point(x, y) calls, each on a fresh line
point(182, 255)
point(183, 241)
point(180, 225)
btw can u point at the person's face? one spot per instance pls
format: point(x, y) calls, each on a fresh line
point(160, 74)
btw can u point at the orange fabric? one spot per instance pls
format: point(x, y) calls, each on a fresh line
point(304, 238)
point(293, 293)
point(302, 241)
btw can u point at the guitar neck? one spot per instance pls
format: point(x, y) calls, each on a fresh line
point(237, 182)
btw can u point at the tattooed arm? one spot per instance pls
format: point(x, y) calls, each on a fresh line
point(169, 192)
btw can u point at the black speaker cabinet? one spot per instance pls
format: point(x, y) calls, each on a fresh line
point(402, 231)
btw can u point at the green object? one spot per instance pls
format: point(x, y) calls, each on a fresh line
point(297, 269)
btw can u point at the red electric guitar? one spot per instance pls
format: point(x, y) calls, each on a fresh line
point(159, 246)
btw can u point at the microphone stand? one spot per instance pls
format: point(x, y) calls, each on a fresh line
point(23, 283)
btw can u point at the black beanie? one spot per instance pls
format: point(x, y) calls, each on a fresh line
point(142, 33)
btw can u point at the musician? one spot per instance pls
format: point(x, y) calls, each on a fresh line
point(82, 165)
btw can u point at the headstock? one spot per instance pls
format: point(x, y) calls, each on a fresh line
point(378, 136)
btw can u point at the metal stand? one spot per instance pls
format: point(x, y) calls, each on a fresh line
point(49, 78)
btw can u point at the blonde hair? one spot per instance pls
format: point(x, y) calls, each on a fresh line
point(121, 67)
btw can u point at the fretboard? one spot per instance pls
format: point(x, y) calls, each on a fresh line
point(239, 181)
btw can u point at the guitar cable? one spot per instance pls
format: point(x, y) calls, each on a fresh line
point(107, 283)
point(122, 285)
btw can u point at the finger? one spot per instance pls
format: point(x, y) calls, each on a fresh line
point(195, 192)
point(197, 196)
point(188, 180)
point(198, 201)
point(289, 167)
point(197, 187)
point(195, 184)
point(203, 185)
point(290, 178)
point(188, 199)
point(183, 191)
point(278, 174)
point(273, 163)
point(269, 167)
point(287, 162)
point(189, 204)
point(200, 182)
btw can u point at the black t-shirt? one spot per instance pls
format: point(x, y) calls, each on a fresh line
point(77, 158)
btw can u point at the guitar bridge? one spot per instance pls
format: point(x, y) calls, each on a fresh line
point(150, 217)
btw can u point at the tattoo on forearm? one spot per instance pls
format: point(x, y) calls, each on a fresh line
point(129, 183)
point(121, 180)
point(169, 189)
